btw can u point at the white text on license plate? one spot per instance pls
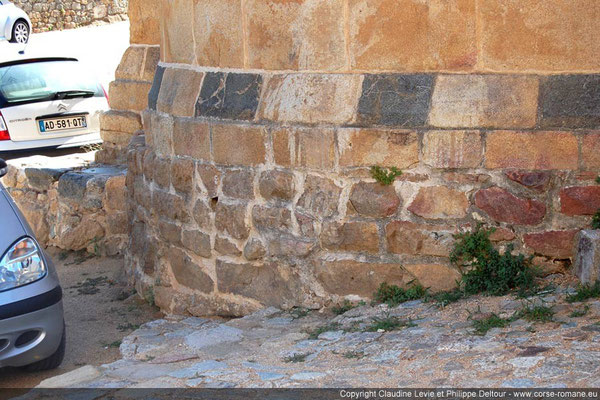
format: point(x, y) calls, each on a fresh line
point(62, 124)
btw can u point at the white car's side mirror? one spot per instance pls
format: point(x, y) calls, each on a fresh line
point(3, 168)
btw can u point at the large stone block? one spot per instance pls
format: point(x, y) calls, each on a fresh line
point(282, 147)
point(538, 35)
point(177, 27)
point(452, 149)
point(405, 237)
point(580, 200)
point(311, 98)
point(439, 202)
point(130, 67)
point(231, 219)
point(350, 277)
point(218, 33)
point(395, 100)
point(187, 272)
point(182, 175)
point(590, 151)
point(272, 218)
point(170, 206)
point(321, 196)
point(351, 236)
point(570, 101)
point(295, 35)
point(129, 95)
point(191, 138)
point(249, 145)
point(150, 63)
point(587, 257)
point(531, 150)
point(435, 277)
point(374, 200)
point(229, 96)
point(503, 206)
point(276, 185)
point(179, 92)
point(412, 35)
point(120, 121)
point(144, 18)
point(536, 180)
point(368, 147)
point(557, 244)
point(489, 101)
point(197, 242)
point(314, 148)
point(238, 184)
point(211, 178)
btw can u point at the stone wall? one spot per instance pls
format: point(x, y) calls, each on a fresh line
point(252, 185)
point(48, 15)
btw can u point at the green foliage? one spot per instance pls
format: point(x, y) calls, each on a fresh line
point(385, 176)
point(354, 354)
point(580, 313)
point(388, 324)
point(299, 312)
point(393, 295)
point(585, 292)
point(538, 313)
point(442, 299)
point(482, 326)
point(596, 220)
point(297, 358)
point(314, 334)
point(598, 179)
point(486, 270)
point(341, 309)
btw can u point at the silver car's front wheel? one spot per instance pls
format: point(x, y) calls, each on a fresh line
point(20, 32)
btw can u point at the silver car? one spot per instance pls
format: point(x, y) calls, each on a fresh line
point(15, 25)
point(32, 329)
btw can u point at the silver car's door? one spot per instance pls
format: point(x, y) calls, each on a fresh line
point(3, 17)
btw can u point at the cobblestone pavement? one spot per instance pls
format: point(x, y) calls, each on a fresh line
point(438, 347)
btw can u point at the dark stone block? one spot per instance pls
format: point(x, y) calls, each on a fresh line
point(153, 94)
point(41, 179)
point(73, 185)
point(230, 96)
point(395, 100)
point(569, 101)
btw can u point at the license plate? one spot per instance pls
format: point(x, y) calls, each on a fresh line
point(62, 124)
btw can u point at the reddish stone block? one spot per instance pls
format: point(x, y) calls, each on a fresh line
point(580, 200)
point(374, 199)
point(557, 244)
point(503, 206)
point(438, 202)
point(536, 180)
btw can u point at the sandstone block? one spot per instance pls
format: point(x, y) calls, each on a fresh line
point(452, 149)
point(115, 193)
point(238, 184)
point(120, 121)
point(580, 200)
point(282, 146)
point(492, 101)
point(272, 218)
point(295, 35)
point(129, 95)
point(290, 246)
point(254, 249)
point(250, 145)
point(170, 206)
point(169, 232)
point(130, 67)
point(226, 247)
point(503, 206)
point(187, 272)
point(179, 92)
point(182, 175)
point(587, 256)
point(191, 138)
point(590, 151)
point(144, 16)
point(114, 140)
point(536, 180)
point(151, 63)
point(404, 237)
point(211, 178)
point(162, 172)
point(197, 242)
point(531, 150)
point(351, 236)
point(368, 147)
point(218, 33)
point(117, 223)
point(276, 185)
point(436, 277)
point(231, 219)
point(439, 202)
point(570, 101)
point(311, 98)
point(502, 235)
point(410, 35)
point(229, 96)
point(557, 244)
point(202, 215)
point(162, 135)
point(320, 197)
point(177, 27)
point(374, 200)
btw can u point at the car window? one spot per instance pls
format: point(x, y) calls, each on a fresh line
point(32, 82)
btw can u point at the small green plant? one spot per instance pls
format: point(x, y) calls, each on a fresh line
point(115, 344)
point(388, 324)
point(596, 220)
point(393, 295)
point(299, 312)
point(482, 326)
point(343, 308)
point(598, 179)
point(314, 334)
point(149, 296)
point(297, 358)
point(354, 354)
point(385, 176)
point(127, 327)
point(585, 292)
point(580, 312)
point(536, 313)
point(486, 270)
point(442, 299)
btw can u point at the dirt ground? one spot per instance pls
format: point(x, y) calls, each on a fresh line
point(99, 311)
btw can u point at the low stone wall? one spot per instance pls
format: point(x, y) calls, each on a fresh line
point(70, 204)
point(48, 15)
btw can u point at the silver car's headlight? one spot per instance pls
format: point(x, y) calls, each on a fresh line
point(21, 264)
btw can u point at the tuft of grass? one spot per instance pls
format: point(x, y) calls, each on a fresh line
point(539, 313)
point(354, 355)
point(314, 334)
point(388, 324)
point(343, 308)
point(394, 295)
point(297, 358)
point(482, 326)
point(585, 292)
point(486, 270)
point(115, 344)
point(299, 312)
point(385, 176)
point(442, 299)
point(596, 220)
point(580, 313)
point(598, 179)
point(127, 327)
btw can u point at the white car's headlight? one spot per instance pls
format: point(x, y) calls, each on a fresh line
point(22, 264)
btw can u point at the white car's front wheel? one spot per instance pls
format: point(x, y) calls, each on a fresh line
point(20, 32)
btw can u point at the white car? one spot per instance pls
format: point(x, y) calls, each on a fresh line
point(48, 102)
point(15, 25)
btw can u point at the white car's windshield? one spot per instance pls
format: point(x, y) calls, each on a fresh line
point(45, 80)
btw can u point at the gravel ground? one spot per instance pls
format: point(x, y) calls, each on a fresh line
point(99, 312)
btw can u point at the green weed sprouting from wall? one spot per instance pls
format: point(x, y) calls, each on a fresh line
point(385, 176)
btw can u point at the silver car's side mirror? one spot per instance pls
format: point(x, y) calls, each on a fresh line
point(3, 168)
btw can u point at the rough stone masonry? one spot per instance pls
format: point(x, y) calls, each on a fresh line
point(250, 186)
